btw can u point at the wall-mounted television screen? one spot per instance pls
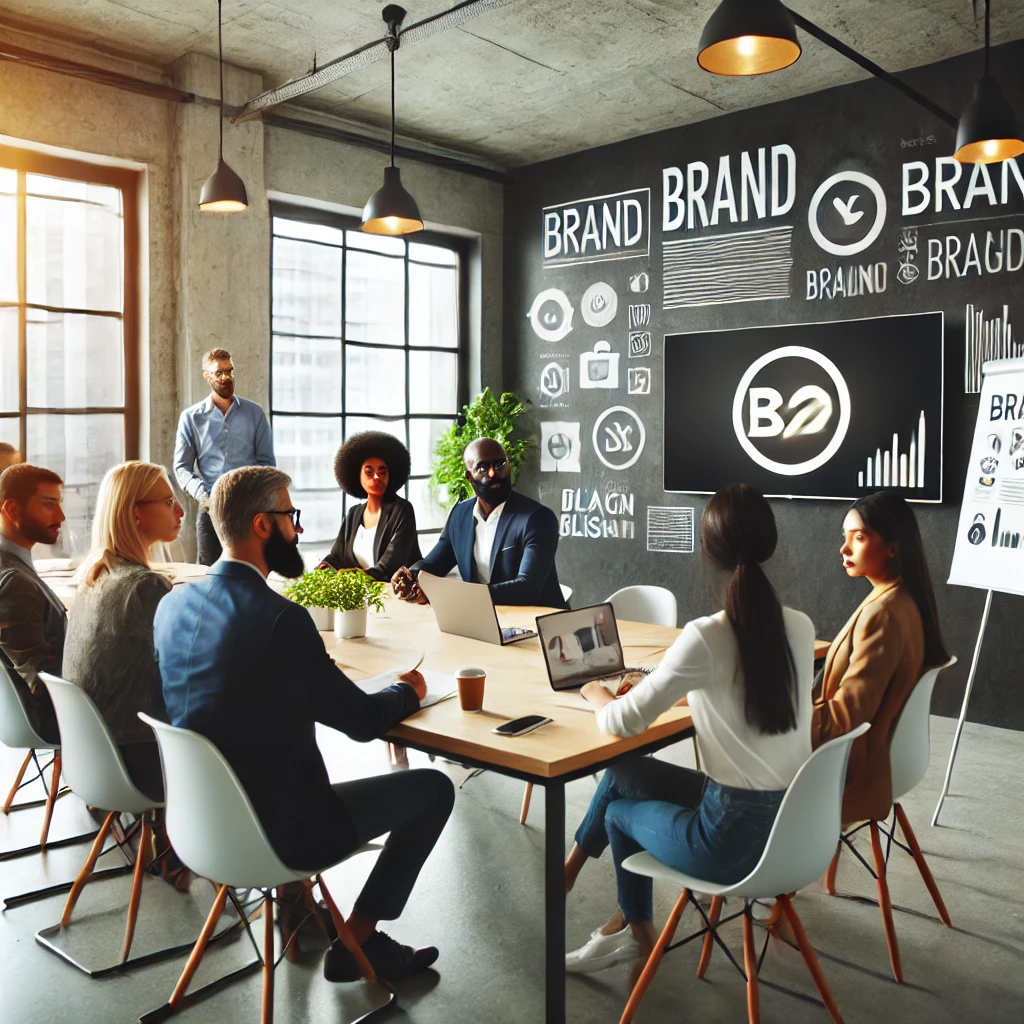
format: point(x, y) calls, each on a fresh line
point(826, 410)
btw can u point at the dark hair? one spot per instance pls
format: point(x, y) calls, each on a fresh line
point(738, 532)
point(892, 518)
point(370, 444)
point(21, 481)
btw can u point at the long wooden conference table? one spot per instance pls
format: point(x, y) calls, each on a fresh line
point(570, 748)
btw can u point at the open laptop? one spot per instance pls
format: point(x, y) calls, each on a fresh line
point(466, 609)
point(582, 645)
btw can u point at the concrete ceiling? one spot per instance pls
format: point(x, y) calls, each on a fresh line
point(533, 80)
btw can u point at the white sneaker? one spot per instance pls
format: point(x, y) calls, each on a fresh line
point(603, 951)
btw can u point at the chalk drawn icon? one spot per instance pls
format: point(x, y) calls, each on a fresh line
point(639, 315)
point(600, 368)
point(639, 344)
point(976, 531)
point(551, 315)
point(853, 198)
point(559, 447)
point(813, 416)
point(639, 283)
point(599, 304)
point(619, 437)
point(670, 529)
point(554, 380)
point(909, 271)
point(639, 382)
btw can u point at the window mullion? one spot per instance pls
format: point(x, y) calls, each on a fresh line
point(22, 316)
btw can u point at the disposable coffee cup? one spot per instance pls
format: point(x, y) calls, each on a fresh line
point(470, 682)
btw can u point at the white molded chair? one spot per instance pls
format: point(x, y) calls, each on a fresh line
point(566, 591)
point(800, 844)
point(909, 752)
point(96, 773)
point(643, 603)
point(215, 831)
point(16, 731)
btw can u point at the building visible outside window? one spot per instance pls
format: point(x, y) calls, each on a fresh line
point(367, 334)
point(68, 335)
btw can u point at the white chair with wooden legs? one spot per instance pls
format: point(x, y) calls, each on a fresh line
point(17, 732)
point(909, 753)
point(799, 846)
point(215, 831)
point(654, 605)
point(96, 773)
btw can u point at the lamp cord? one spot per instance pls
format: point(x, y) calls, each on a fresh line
point(220, 61)
point(987, 9)
point(392, 105)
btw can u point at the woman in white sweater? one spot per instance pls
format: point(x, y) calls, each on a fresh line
point(746, 673)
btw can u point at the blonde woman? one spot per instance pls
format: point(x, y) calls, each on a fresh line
point(108, 650)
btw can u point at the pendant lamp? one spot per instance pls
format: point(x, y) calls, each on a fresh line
point(223, 191)
point(748, 37)
point(988, 131)
point(391, 210)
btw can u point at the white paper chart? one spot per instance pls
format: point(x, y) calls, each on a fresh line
point(989, 551)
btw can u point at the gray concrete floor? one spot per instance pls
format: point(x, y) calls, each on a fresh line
point(479, 899)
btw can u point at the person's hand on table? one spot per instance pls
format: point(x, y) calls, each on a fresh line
point(681, 703)
point(324, 565)
point(596, 693)
point(416, 681)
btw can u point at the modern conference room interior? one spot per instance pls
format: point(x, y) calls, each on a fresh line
point(511, 511)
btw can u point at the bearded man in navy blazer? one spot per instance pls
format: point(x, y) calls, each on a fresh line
point(500, 538)
point(247, 668)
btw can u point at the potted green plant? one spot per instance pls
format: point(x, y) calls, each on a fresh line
point(485, 416)
point(346, 595)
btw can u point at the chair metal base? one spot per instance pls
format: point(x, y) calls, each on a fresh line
point(52, 844)
point(53, 890)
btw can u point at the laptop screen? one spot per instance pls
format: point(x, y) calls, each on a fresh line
point(580, 645)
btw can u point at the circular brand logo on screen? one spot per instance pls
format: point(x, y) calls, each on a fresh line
point(847, 213)
point(791, 410)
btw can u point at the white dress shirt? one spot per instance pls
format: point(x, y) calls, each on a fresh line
point(362, 545)
point(483, 540)
point(703, 665)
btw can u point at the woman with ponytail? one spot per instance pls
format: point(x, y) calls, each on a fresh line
point(876, 660)
point(746, 673)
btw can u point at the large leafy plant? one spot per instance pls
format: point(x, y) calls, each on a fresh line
point(485, 416)
point(342, 591)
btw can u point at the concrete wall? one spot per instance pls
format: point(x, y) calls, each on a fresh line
point(206, 277)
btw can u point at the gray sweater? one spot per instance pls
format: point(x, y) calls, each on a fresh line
point(108, 650)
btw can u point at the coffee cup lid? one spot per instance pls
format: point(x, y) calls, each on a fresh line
point(469, 671)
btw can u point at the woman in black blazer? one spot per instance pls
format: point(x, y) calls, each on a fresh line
point(378, 536)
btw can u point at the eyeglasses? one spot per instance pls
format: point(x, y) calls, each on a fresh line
point(168, 502)
point(482, 468)
point(221, 374)
point(294, 514)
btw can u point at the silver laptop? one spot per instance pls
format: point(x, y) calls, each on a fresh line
point(466, 609)
point(582, 645)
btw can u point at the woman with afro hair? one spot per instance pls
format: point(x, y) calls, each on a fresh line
point(379, 535)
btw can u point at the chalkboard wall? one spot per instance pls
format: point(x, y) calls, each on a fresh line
point(834, 207)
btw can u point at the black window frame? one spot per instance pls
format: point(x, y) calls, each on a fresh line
point(346, 222)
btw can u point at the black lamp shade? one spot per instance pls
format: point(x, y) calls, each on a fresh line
point(223, 191)
point(391, 210)
point(748, 37)
point(988, 130)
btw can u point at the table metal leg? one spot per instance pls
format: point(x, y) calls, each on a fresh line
point(554, 902)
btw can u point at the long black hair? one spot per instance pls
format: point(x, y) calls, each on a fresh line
point(738, 532)
point(892, 518)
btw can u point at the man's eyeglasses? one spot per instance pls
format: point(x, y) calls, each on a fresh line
point(221, 374)
point(294, 514)
point(481, 469)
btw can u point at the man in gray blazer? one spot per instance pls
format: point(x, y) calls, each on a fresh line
point(32, 618)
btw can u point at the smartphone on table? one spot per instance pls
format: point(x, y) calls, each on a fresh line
point(521, 726)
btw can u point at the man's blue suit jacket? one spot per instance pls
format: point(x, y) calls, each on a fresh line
point(247, 668)
point(522, 558)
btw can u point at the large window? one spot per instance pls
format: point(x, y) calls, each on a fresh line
point(68, 322)
point(367, 334)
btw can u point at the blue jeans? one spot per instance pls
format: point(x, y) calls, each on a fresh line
point(686, 820)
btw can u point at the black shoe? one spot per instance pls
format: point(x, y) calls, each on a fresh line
point(390, 959)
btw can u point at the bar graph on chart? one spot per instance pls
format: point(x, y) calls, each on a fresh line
point(899, 465)
point(984, 340)
point(1006, 539)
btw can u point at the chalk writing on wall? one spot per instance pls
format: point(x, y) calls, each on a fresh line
point(670, 529)
point(586, 513)
point(639, 380)
point(554, 385)
point(612, 227)
point(639, 344)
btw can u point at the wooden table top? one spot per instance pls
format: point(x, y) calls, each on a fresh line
point(517, 685)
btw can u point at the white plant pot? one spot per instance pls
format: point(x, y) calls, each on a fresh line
point(350, 624)
point(323, 618)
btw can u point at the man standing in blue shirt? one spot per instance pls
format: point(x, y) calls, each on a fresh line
point(220, 433)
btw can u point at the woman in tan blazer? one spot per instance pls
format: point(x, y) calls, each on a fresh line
point(880, 654)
